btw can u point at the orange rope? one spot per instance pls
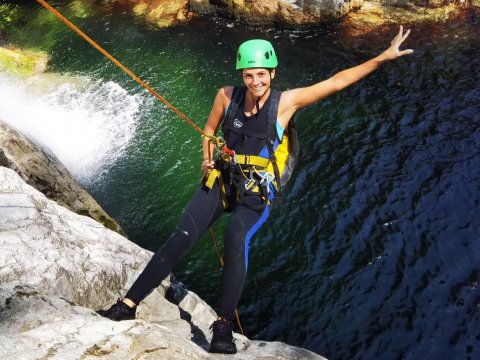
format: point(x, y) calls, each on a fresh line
point(217, 141)
point(124, 68)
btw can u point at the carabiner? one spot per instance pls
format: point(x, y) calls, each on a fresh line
point(217, 141)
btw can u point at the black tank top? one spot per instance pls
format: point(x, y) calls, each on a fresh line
point(246, 134)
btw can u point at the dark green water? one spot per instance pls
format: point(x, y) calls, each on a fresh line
point(376, 254)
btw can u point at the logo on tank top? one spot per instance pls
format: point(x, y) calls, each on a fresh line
point(237, 124)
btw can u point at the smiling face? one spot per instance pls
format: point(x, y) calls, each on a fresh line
point(258, 80)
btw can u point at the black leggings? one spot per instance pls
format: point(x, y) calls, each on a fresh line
point(202, 211)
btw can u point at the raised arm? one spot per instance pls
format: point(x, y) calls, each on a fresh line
point(298, 98)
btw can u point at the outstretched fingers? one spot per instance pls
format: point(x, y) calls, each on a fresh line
point(398, 36)
point(403, 36)
point(397, 42)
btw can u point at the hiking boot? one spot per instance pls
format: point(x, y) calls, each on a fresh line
point(222, 339)
point(118, 311)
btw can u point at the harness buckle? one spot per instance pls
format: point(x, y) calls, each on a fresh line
point(250, 184)
point(232, 154)
point(268, 177)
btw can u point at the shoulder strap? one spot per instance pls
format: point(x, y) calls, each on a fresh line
point(272, 136)
point(272, 114)
point(238, 95)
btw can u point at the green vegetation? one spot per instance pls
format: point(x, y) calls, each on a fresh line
point(24, 63)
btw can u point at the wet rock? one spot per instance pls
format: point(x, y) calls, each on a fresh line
point(41, 169)
point(162, 13)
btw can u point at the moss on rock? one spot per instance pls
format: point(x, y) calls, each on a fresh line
point(24, 63)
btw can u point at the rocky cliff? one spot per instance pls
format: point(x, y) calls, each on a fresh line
point(280, 12)
point(295, 13)
point(56, 267)
point(164, 13)
point(40, 168)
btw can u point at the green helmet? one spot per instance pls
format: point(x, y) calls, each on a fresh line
point(256, 53)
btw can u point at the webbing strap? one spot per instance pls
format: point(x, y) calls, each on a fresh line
point(273, 113)
point(213, 176)
point(251, 160)
point(237, 98)
point(272, 132)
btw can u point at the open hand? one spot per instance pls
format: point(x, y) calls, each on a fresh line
point(394, 51)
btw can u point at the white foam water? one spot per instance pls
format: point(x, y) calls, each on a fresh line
point(87, 124)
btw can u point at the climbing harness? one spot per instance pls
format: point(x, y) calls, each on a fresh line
point(254, 174)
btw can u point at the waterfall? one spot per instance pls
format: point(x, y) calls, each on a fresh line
point(88, 124)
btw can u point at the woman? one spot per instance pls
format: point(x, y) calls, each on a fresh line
point(245, 179)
